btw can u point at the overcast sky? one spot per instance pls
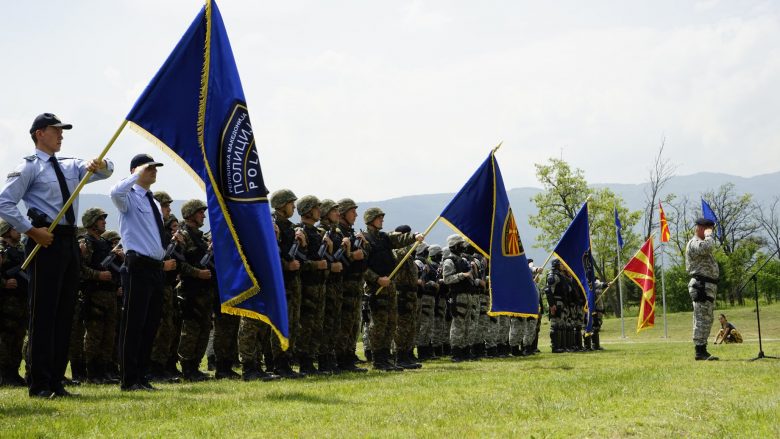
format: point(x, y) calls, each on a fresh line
point(375, 100)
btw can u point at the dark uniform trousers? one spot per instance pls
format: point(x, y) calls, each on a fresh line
point(54, 283)
point(143, 286)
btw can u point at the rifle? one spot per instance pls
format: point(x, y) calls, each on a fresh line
point(17, 271)
point(108, 262)
point(171, 249)
point(295, 252)
point(207, 261)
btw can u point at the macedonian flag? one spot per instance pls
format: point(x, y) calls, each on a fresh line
point(640, 270)
point(665, 235)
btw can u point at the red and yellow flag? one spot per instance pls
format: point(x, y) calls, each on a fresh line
point(640, 270)
point(665, 235)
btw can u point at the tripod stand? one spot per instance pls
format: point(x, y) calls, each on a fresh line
point(758, 315)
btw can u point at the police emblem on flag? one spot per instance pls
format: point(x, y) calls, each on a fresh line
point(241, 177)
point(511, 244)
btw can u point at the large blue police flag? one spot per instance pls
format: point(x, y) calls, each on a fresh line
point(194, 108)
point(573, 250)
point(482, 214)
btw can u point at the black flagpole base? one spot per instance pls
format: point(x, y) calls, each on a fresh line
point(761, 355)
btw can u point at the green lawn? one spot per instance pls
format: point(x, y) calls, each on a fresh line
point(641, 386)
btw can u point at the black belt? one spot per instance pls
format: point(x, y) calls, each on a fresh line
point(706, 279)
point(60, 229)
point(135, 259)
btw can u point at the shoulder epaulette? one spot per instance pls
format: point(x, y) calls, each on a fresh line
point(31, 158)
point(14, 174)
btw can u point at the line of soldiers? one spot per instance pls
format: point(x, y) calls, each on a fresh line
point(337, 285)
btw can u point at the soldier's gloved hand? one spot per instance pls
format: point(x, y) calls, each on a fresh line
point(10, 284)
point(169, 265)
point(321, 264)
point(293, 265)
point(105, 276)
point(707, 233)
point(204, 274)
point(336, 267)
point(419, 237)
point(358, 255)
point(383, 281)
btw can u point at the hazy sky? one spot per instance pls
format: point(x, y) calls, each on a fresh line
point(375, 100)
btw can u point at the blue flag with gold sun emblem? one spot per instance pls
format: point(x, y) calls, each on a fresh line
point(194, 109)
point(481, 213)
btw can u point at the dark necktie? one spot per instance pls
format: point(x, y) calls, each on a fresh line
point(157, 217)
point(69, 215)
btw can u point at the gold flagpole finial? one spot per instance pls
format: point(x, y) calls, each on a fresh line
point(498, 146)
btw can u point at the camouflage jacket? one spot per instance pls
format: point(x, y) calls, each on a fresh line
point(699, 257)
point(396, 240)
point(407, 275)
point(192, 249)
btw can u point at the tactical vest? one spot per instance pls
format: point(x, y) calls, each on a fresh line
point(461, 266)
point(356, 268)
point(313, 243)
point(101, 248)
point(380, 260)
point(557, 287)
point(286, 235)
point(193, 256)
point(13, 258)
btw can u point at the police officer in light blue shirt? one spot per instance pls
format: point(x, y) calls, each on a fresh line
point(45, 182)
point(143, 281)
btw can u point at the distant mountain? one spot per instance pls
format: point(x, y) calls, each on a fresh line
point(419, 211)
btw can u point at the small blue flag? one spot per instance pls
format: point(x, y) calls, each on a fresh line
point(482, 214)
point(573, 250)
point(194, 108)
point(618, 228)
point(707, 212)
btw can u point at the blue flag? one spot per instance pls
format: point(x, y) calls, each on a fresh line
point(573, 250)
point(618, 228)
point(482, 214)
point(194, 108)
point(706, 212)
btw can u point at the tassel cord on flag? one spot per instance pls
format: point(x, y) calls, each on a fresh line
point(75, 194)
point(411, 250)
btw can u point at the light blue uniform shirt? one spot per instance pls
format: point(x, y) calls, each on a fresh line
point(137, 225)
point(35, 182)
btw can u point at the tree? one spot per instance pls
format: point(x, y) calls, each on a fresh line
point(680, 215)
point(564, 192)
point(735, 219)
point(660, 174)
point(769, 220)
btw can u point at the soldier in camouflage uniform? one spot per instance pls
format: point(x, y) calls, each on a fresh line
point(703, 286)
point(383, 304)
point(517, 330)
point(13, 305)
point(352, 288)
point(443, 314)
point(556, 291)
point(314, 272)
point(163, 357)
point(195, 292)
point(100, 282)
point(252, 334)
point(458, 275)
point(334, 285)
point(577, 314)
point(428, 263)
point(406, 282)
point(594, 341)
point(113, 238)
point(283, 202)
point(480, 303)
point(502, 338)
point(224, 331)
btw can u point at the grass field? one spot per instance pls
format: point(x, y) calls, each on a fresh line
point(641, 386)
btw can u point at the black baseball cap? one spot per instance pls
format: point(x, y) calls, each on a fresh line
point(704, 222)
point(142, 159)
point(48, 120)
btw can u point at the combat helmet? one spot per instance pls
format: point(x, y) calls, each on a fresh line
point(162, 197)
point(327, 205)
point(171, 218)
point(345, 204)
point(281, 197)
point(371, 214)
point(110, 235)
point(306, 204)
point(5, 226)
point(192, 207)
point(454, 239)
point(91, 216)
point(434, 250)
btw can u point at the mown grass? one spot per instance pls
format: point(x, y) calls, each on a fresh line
point(641, 386)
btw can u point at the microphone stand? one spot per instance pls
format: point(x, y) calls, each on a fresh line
point(754, 279)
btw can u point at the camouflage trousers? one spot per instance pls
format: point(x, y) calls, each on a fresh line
point(441, 326)
point(426, 318)
point(491, 337)
point(504, 326)
point(482, 326)
point(226, 336)
point(292, 291)
point(464, 319)
point(331, 322)
point(312, 316)
point(13, 326)
point(254, 339)
point(703, 313)
point(196, 309)
point(352, 290)
point(100, 323)
point(406, 329)
point(167, 332)
point(383, 307)
point(517, 330)
point(558, 322)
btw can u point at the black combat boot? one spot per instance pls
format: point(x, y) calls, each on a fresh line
point(578, 341)
point(10, 377)
point(78, 373)
point(323, 365)
point(191, 372)
point(556, 341)
point(405, 361)
point(423, 353)
point(503, 350)
point(588, 343)
point(703, 355)
point(306, 365)
point(438, 351)
point(597, 342)
point(252, 372)
point(346, 364)
point(446, 349)
point(211, 363)
point(283, 369)
point(458, 354)
point(369, 355)
point(516, 351)
point(492, 352)
point(529, 350)
point(479, 351)
point(225, 370)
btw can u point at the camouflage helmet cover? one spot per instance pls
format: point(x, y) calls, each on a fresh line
point(171, 218)
point(5, 226)
point(371, 214)
point(454, 240)
point(327, 205)
point(162, 197)
point(191, 207)
point(110, 235)
point(91, 216)
point(281, 197)
point(306, 204)
point(434, 250)
point(345, 204)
